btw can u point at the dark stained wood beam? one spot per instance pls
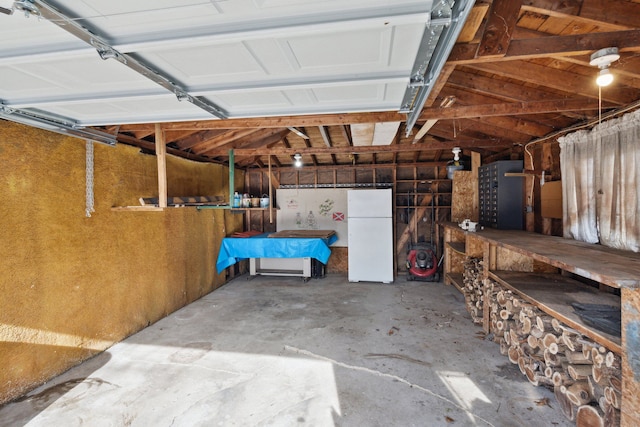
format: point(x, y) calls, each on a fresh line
point(346, 134)
point(487, 129)
point(233, 138)
point(277, 163)
point(539, 47)
point(279, 121)
point(426, 146)
point(622, 13)
point(151, 147)
point(246, 163)
point(516, 124)
point(498, 31)
point(258, 137)
point(195, 137)
point(202, 141)
point(468, 82)
point(266, 142)
point(359, 166)
point(562, 80)
point(175, 136)
point(510, 109)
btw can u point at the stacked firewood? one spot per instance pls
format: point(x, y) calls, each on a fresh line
point(473, 289)
point(585, 376)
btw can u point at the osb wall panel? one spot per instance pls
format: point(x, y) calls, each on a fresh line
point(463, 193)
point(71, 285)
point(338, 261)
point(512, 261)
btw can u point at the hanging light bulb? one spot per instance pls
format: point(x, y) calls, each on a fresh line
point(602, 59)
point(605, 78)
point(297, 160)
point(456, 154)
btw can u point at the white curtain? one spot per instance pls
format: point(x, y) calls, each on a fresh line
point(601, 183)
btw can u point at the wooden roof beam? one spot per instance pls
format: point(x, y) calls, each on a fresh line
point(150, 146)
point(540, 47)
point(622, 13)
point(278, 122)
point(498, 31)
point(314, 158)
point(425, 146)
point(197, 137)
point(562, 80)
point(327, 141)
point(510, 109)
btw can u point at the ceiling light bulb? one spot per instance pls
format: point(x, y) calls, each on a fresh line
point(297, 160)
point(604, 77)
point(456, 153)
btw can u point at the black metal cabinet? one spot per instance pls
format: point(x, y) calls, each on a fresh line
point(501, 197)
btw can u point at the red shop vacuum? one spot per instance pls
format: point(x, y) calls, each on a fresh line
point(422, 262)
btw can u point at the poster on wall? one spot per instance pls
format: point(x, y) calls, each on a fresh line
point(313, 209)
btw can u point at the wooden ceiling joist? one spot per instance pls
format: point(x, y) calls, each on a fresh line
point(509, 109)
point(498, 31)
point(540, 47)
point(426, 146)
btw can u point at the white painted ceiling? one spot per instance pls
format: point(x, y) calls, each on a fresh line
point(247, 57)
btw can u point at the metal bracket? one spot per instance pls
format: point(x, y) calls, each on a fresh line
point(54, 124)
point(440, 34)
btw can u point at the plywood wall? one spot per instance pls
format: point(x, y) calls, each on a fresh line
point(71, 286)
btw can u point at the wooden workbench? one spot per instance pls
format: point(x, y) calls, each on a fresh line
point(320, 234)
point(539, 261)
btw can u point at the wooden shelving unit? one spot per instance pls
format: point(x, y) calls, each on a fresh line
point(420, 192)
point(455, 279)
point(546, 272)
point(554, 294)
point(459, 247)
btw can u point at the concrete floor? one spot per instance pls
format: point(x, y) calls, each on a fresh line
point(280, 352)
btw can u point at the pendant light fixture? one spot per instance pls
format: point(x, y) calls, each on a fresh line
point(297, 160)
point(602, 59)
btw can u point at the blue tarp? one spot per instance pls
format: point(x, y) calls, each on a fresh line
point(234, 249)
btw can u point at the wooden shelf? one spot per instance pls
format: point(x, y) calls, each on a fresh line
point(611, 267)
point(233, 209)
point(456, 280)
point(137, 209)
point(458, 247)
point(554, 294)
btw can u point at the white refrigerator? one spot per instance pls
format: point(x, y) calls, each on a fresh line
point(370, 225)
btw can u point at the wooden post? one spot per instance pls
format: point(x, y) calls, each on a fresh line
point(232, 178)
point(447, 258)
point(486, 265)
point(161, 156)
point(475, 202)
point(529, 184)
point(270, 194)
